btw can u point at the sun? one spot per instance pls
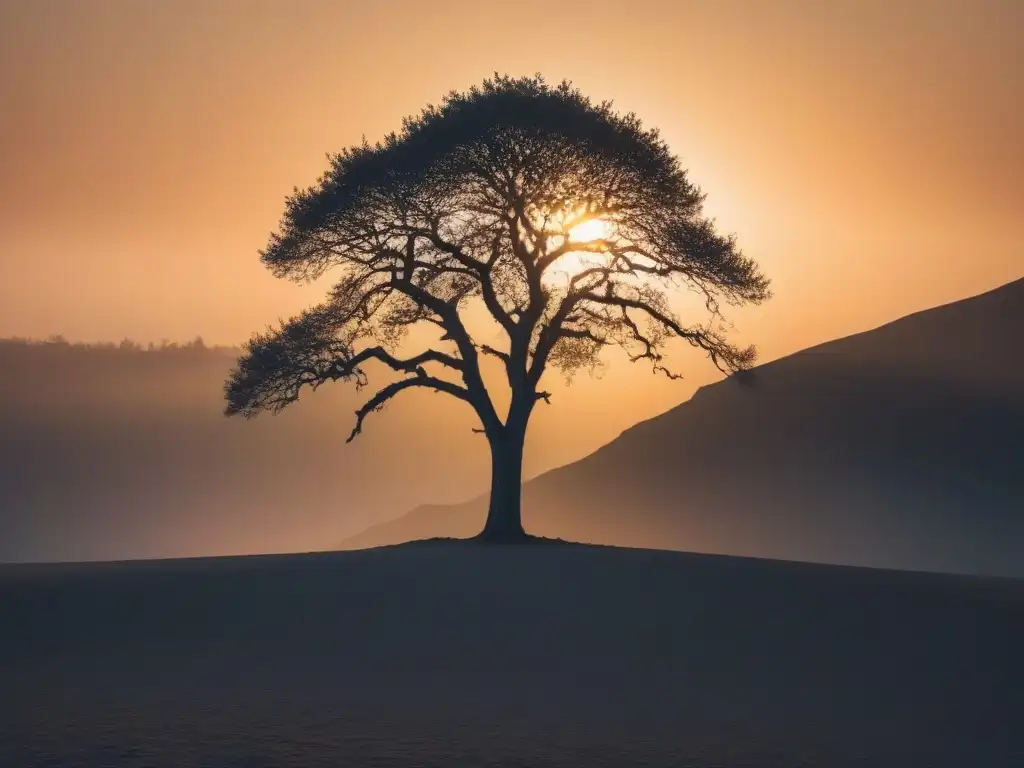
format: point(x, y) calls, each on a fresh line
point(575, 261)
point(588, 231)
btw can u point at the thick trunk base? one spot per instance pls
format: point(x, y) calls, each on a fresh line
point(504, 519)
point(504, 515)
point(512, 535)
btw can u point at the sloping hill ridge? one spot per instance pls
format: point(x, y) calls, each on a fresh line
point(900, 447)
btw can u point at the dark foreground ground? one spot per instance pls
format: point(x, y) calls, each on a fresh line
point(461, 654)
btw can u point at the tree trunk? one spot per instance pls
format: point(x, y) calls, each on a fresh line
point(504, 514)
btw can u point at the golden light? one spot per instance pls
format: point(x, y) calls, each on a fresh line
point(573, 262)
point(588, 231)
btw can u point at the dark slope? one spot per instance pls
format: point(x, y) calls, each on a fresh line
point(462, 654)
point(900, 447)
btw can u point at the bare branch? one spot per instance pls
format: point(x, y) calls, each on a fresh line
point(489, 350)
point(582, 333)
point(482, 271)
point(378, 401)
point(456, 331)
point(726, 357)
point(345, 367)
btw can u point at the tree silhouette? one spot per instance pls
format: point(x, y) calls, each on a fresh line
point(568, 222)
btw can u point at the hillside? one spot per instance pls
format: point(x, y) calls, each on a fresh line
point(550, 655)
point(898, 447)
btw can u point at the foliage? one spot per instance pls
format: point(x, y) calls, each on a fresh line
point(479, 199)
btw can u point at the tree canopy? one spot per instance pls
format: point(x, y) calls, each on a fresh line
point(479, 198)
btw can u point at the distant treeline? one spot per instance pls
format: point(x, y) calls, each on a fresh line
point(125, 345)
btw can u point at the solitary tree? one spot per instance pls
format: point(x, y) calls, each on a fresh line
point(569, 223)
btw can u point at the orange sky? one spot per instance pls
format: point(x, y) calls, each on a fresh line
point(868, 154)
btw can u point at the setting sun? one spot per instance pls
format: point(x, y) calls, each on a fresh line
point(576, 261)
point(588, 231)
point(573, 262)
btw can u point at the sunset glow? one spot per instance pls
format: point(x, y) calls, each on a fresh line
point(588, 231)
point(407, 383)
point(188, 125)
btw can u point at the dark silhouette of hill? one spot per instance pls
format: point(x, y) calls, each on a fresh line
point(898, 447)
point(467, 654)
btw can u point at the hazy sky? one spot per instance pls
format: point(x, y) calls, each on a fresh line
point(868, 154)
